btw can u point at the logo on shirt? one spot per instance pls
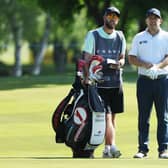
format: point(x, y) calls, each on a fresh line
point(144, 41)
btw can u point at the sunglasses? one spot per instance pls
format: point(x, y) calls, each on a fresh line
point(111, 16)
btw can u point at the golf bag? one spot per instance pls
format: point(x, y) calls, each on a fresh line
point(79, 119)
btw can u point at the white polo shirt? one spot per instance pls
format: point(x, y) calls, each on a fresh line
point(89, 44)
point(150, 48)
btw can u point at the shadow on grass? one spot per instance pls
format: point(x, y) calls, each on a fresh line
point(46, 79)
point(34, 157)
point(8, 83)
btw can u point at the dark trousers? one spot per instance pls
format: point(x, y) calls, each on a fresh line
point(151, 92)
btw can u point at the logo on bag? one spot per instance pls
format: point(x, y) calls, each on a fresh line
point(80, 115)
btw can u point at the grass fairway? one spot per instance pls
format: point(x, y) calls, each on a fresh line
point(82, 163)
point(27, 137)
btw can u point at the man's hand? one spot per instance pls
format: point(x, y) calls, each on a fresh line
point(113, 64)
point(153, 72)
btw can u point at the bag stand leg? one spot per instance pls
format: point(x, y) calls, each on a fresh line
point(83, 153)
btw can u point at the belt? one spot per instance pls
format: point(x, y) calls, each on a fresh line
point(158, 77)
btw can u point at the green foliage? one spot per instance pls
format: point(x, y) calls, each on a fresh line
point(61, 9)
point(33, 23)
point(71, 19)
point(71, 37)
point(4, 69)
point(15, 13)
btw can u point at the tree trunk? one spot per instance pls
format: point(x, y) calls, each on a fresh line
point(142, 24)
point(17, 71)
point(40, 55)
point(59, 57)
point(17, 35)
point(95, 11)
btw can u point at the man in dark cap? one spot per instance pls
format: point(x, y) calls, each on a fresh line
point(111, 45)
point(153, 11)
point(112, 10)
point(149, 52)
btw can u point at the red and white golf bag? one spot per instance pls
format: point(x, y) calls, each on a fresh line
point(79, 119)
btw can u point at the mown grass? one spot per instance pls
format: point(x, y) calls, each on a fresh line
point(27, 137)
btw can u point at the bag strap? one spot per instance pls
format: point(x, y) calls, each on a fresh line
point(56, 118)
point(120, 34)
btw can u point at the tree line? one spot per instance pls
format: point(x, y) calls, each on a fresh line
point(62, 24)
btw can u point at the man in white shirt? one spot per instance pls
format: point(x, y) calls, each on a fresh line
point(149, 52)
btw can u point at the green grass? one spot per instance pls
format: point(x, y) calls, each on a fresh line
point(27, 137)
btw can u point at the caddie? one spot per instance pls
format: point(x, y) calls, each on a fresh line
point(109, 43)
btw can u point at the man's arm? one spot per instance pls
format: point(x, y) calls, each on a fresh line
point(87, 58)
point(120, 63)
point(87, 53)
point(163, 63)
point(137, 62)
point(121, 60)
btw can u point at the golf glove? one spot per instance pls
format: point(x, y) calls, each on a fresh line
point(153, 72)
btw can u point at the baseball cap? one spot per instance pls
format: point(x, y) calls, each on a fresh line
point(112, 10)
point(153, 11)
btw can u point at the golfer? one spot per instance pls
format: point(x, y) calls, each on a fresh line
point(149, 53)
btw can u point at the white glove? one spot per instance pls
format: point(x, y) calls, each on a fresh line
point(153, 72)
